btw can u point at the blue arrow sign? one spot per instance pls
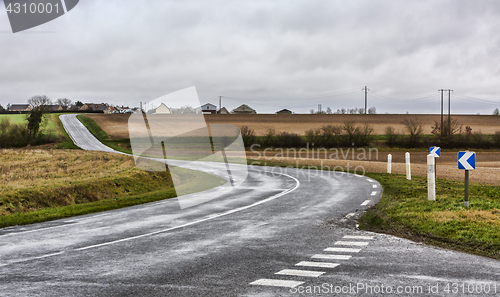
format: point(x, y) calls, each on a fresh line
point(436, 151)
point(467, 160)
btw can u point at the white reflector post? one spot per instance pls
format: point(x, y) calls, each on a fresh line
point(408, 168)
point(389, 163)
point(431, 177)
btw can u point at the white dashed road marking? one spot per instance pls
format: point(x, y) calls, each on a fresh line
point(374, 186)
point(373, 193)
point(370, 180)
point(355, 243)
point(358, 237)
point(317, 264)
point(277, 283)
point(365, 203)
point(350, 215)
point(343, 250)
point(296, 272)
point(331, 257)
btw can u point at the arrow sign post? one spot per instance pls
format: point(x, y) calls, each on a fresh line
point(466, 161)
point(436, 152)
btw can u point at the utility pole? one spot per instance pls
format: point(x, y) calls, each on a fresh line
point(319, 108)
point(441, 111)
point(366, 99)
point(220, 102)
point(449, 112)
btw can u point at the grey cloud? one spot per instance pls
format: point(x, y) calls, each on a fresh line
point(131, 51)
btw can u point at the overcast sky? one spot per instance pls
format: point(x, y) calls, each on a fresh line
point(267, 54)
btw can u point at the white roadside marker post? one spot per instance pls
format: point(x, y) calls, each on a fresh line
point(431, 177)
point(389, 165)
point(408, 168)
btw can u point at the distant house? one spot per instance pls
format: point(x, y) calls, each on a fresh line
point(111, 109)
point(243, 109)
point(223, 111)
point(93, 107)
point(162, 109)
point(208, 108)
point(284, 111)
point(19, 107)
point(54, 108)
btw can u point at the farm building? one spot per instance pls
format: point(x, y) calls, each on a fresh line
point(19, 107)
point(162, 109)
point(223, 111)
point(284, 111)
point(93, 107)
point(54, 108)
point(208, 108)
point(243, 109)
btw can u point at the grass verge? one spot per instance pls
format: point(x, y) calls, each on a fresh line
point(404, 211)
point(63, 183)
point(121, 145)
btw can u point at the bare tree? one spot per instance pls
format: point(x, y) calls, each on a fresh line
point(329, 110)
point(372, 110)
point(40, 101)
point(496, 111)
point(414, 128)
point(64, 102)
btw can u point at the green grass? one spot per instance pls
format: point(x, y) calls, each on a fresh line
point(203, 183)
point(121, 145)
point(405, 211)
point(15, 118)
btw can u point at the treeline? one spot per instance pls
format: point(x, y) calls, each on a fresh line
point(349, 134)
point(451, 135)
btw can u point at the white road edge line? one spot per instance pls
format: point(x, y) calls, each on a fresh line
point(295, 272)
point(358, 237)
point(317, 264)
point(332, 257)
point(365, 203)
point(276, 283)
point(32, 258)
point(354, 243)
point(342, 250)
point(199, 221)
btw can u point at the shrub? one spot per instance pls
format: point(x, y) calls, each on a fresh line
point(415, 131)
point(248, 135)
point(269, 138)
point(392, 138)
point(351, 131)
point(314, 136)
point(364, 135)
point(331, 136)
point(288, 140)
point(13, 135)
point(496, 139)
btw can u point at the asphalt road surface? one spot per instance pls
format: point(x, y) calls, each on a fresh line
point(282, 233)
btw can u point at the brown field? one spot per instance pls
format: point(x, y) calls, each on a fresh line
point(488, 162)
point(116, 124)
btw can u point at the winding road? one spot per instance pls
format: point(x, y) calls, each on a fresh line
point(280, 233)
